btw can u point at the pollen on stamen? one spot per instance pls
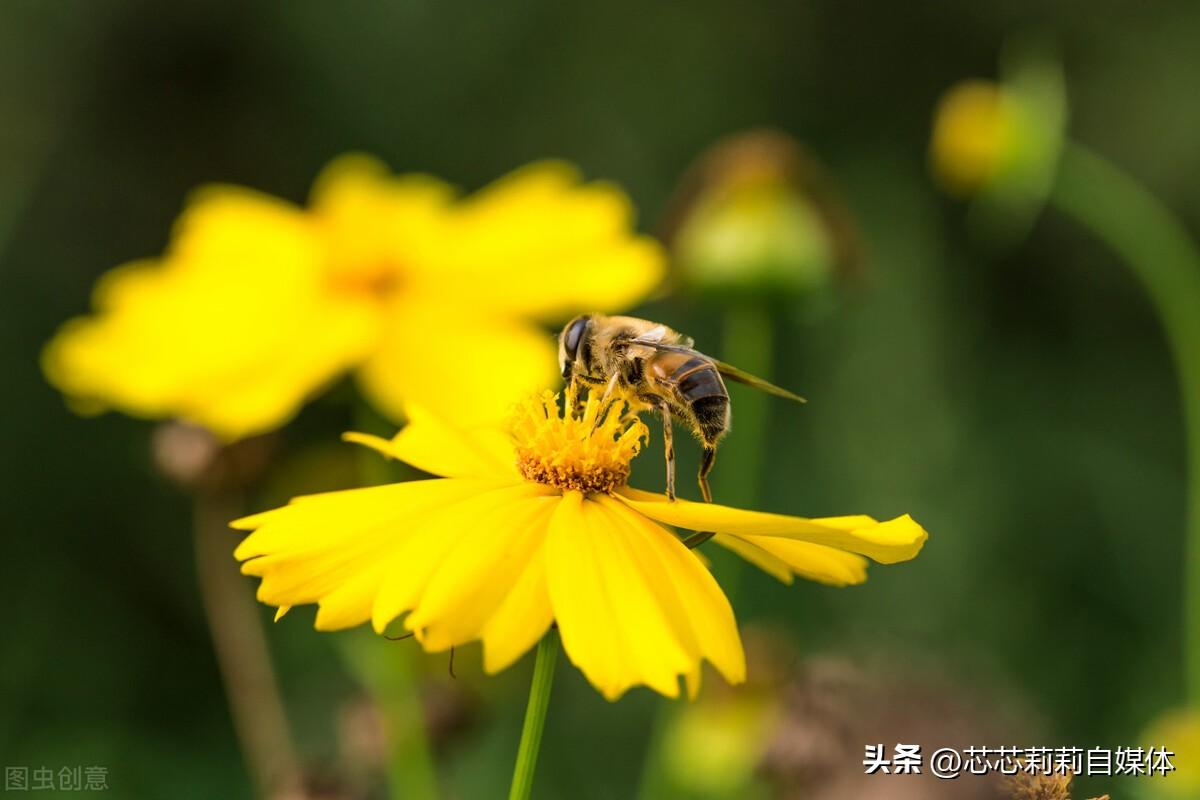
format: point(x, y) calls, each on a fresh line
point(585, 446)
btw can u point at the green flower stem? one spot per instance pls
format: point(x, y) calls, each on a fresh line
point(747, 342)
point(243, 657)
point(1165, 259)
point(535, 717)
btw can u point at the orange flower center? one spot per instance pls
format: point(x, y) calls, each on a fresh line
point(374, 282)
point(585, 447)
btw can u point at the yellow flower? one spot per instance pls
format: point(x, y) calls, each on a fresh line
point(430, 299)
point(1177, 730)
point(537, 526)
point(974, 135)
point(1001, 140)
point(732, 733)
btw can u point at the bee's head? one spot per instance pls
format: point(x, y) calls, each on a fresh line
point(570, 344)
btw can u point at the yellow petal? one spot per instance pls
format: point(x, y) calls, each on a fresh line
point(306, 551)
point(331, 548)
point(435, 446)
point(479, 573)
point(349, 604)
point(784, 558)
point(579, 599)
point(416, 555)
point(706, 609)
point(692, 681)
point(620, 589)
point(233, 330)
point(540, 242)
point(371, 221)
point(468, 365)
point(242, 405)
point(521, 619)
point(770, 564)
point(317, 515)
point(585, 602)
point(889, 542)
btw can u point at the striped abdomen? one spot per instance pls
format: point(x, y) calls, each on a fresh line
point(698, 391)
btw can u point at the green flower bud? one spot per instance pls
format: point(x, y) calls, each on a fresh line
point(756, 219)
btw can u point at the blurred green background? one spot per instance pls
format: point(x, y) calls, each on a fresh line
point(1019, 402)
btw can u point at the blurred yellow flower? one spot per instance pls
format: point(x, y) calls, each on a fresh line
point(974, 134)
point(732, 733)
point(999, 142)
point(1177, 730)
point(537, 525)
point(257, 303)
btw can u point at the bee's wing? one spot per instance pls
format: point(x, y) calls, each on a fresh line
point(728, 370)
point(655, 338)
point(733, 373)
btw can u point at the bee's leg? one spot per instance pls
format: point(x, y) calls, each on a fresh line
point(669, 449)
point(602, 414)
point(608, 390)
point(657, 404)
point(573, 393)
point(578, 380)
point(706, 464)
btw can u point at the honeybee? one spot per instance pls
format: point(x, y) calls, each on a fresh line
point(657, 367)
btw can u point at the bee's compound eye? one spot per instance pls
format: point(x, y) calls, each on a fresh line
point(572, 336)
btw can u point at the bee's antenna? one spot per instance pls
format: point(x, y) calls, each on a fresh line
point(452, 675)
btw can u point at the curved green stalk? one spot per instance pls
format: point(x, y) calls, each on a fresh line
point(535, 717)
point(240, 645)
point(747, 343)
point(1164, 258)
